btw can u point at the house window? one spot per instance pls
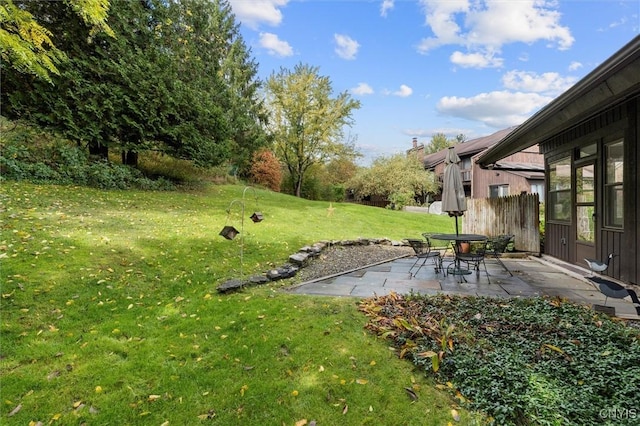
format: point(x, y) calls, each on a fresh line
point(588, 151)
point(538, 188)
point(496, 191)
point(560, 189)
point(613, 185)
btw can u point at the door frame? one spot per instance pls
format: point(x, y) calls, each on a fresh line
point(589, 223)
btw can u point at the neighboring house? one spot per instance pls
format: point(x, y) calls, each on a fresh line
point(416, 150)
point(521, 172)
point(589, 138)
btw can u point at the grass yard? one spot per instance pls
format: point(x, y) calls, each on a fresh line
point(110, 315)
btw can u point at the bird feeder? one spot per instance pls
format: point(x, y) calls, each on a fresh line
point(229, 232)
point(256, 217)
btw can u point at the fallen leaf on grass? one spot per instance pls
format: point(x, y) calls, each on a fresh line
point(455, 415)
point(15, 410)
point(302, 422)
point(362, 381)
point(208, 416)
point(411, 394)
point(345, 409)
point(154, 397)
point(53, 375)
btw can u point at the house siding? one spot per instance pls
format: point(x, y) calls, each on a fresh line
point(484, 179)
point(619, 121)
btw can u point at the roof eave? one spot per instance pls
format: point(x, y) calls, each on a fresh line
point(608, 84)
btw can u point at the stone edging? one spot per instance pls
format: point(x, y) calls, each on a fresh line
point(299, 260)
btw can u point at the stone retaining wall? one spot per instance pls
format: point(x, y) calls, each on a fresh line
point(298, 260)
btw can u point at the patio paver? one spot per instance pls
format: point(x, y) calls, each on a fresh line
point(531, 277)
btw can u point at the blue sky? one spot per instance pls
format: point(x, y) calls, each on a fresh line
point(445, 66)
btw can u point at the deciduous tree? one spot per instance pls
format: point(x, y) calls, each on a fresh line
point(306, 121)
point(266, 170)
point(398, 178)
point(439, 141)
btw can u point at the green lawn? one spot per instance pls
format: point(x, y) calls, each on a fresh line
point(110, 314)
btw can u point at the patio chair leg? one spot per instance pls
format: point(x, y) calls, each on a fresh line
point(503, 265)
point(485, 271)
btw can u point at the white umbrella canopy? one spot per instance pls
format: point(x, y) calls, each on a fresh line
point(453, 200)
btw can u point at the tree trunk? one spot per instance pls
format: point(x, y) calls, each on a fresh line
point(298, 186)
point(130, 158)
point(101, 151)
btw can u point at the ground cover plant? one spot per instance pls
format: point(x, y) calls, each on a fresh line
point(522, 361)
point(110, 315)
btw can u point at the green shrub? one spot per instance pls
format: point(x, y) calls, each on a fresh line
point(156, 164)
point(30, 155)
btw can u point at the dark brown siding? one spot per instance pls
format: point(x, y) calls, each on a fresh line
point(631, 239)
point(556, 237)
point(623, 120)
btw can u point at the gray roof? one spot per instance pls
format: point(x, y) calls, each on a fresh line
point(468, 148)
point(615, 80)
point(526, 170)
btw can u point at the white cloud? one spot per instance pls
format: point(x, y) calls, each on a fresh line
point(274, 45)
point(550, 83)
point(362, 89)
point(520, 21)
point(385, 7)
point(618, 23)
point(574, 66)
point(499, 109)
point(253, 13)
point(487, 25)
point(346, 47)
point(441, 18)
point(404, 91)
point(476, 60)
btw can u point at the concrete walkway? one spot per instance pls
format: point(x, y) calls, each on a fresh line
point(532, 276)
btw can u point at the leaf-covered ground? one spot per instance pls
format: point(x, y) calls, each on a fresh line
point(522, 361)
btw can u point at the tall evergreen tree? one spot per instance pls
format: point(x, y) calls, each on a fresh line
point(26, 45)
point(159, 84)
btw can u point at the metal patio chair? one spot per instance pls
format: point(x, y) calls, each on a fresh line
point(423, 252)
point(498, 245)
point(473, 258)
point(442, 246)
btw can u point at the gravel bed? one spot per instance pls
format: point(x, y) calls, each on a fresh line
point(337, 259)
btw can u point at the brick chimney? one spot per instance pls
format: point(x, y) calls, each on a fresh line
point(415, 143)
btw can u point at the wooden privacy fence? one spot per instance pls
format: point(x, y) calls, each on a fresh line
point(518, 215)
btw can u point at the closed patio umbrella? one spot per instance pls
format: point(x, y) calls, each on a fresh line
point(453, 200)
